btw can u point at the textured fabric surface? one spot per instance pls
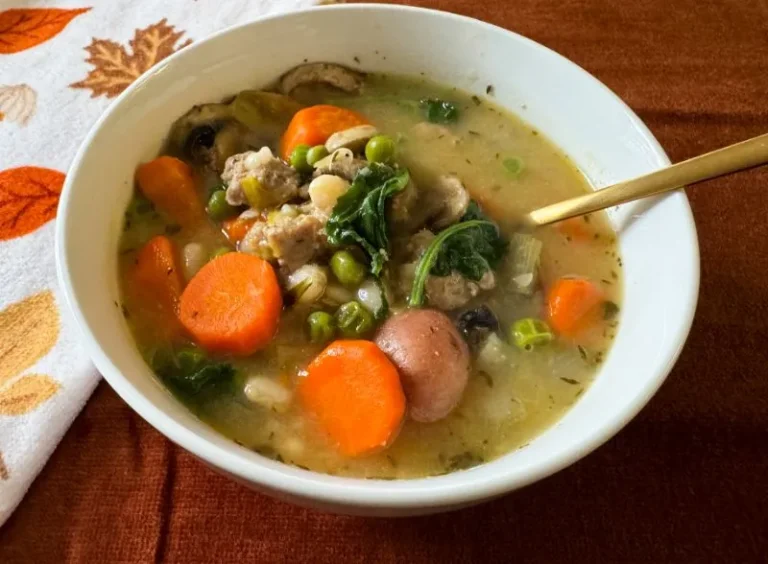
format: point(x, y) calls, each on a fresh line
point(686, 481)
point(62, 62)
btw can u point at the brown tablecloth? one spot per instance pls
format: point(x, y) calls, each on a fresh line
point(687, 481)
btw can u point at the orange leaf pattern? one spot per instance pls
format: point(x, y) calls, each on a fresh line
point(115, 68)
point(26, 393)
point(17, 103)
point(28, 199)
point(23, 28)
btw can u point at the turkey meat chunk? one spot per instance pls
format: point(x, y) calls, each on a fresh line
point(277, 182)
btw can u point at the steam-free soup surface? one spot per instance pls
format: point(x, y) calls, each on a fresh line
point(512, 394)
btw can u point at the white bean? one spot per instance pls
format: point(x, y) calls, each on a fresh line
point(267, 393)
point(308, 283)
point(325, 190)
point(195, 257)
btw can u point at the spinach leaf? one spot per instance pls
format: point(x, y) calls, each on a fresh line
point(190, 372)
point(471, 247)
point(439, 111)
point(471, 252)
point(359, 217)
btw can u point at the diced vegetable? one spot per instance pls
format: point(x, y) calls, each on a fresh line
point(380, 149)
point(237, 227)
point(256, 195)
point(321, 327)
point(355, 393)
point(372, 296)
point(261, 110)
point(353, 320)
point(347, 269)
point(514, 166)
point(471, 247)
point(530, 333)
point(298, 159)
point(495, 356)
point(439, 111)
point(232, 305)
point(170, 185)
point(218, 207)
point(307, 284)
point(576, 229)
point(524, 263)
point(359, 217)
point(156, 281)
point(316, 153)
point(190, 371)
point(312, 126)
point(573, 306)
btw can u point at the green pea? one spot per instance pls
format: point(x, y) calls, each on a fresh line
point(316, 153)
point(218, 207)
point(321, 327)
point(346, 269)
point(380, 149)
point(298, 159)
point(220, 251)
point(353, 320)
point(530, 333)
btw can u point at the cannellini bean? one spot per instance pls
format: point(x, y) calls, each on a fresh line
point(353, 138)
point(257, 158)
point(369, 294)
point(325, 190)
point(195, 256)
point(267, 393)
point(308, 283)
point(337, 155)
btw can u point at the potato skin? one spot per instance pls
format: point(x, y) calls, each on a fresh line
point(432, 358)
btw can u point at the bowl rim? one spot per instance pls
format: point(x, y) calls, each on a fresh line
point(343, 491)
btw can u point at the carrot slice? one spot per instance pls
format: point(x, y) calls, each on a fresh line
point(169, 184)
point(355, 393)
point(236, 228)
point(573, 306)
point(314, 125)
point(232, 305)
point(156, 283)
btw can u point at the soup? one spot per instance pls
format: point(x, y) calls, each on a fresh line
point(331, 274)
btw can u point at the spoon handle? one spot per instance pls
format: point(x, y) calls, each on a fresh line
point(747, 154)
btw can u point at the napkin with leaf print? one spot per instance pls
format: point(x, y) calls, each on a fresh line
point(61, 65)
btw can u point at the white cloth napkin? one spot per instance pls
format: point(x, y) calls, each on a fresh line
point(61, 64)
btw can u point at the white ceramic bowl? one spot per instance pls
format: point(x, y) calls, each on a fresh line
point(599, 133)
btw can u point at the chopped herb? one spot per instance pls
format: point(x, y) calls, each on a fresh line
point(534, 132)
point(439, 111)
point(463, 461)
point(514, 166)
point(301, 466)
point(614, 275)
point(125, 311)
point(476, 100)
point(127, 251)
point(597, 236)
point(468, 161)
point(172, 229)
point(582, 352)
point(581, 391)
point(610, 310)
point(586, 218)
point(607, 282)
point(570, 381)
point(391, 460)
point(356, 59)
point(489, 90)
point(473, 132)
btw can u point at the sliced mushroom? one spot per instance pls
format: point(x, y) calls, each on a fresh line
point(258, 109)
point(450, 191)
point(327, 73)
point(354, 138)
point(199, 122)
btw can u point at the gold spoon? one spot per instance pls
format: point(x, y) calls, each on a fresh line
point(741, 156)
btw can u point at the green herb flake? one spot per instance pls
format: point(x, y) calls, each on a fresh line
point(439, 111)
point(570, 381)
point(582, 352)
point(610, 310)
point(463, 461)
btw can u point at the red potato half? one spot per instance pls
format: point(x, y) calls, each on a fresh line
point(432, 359)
